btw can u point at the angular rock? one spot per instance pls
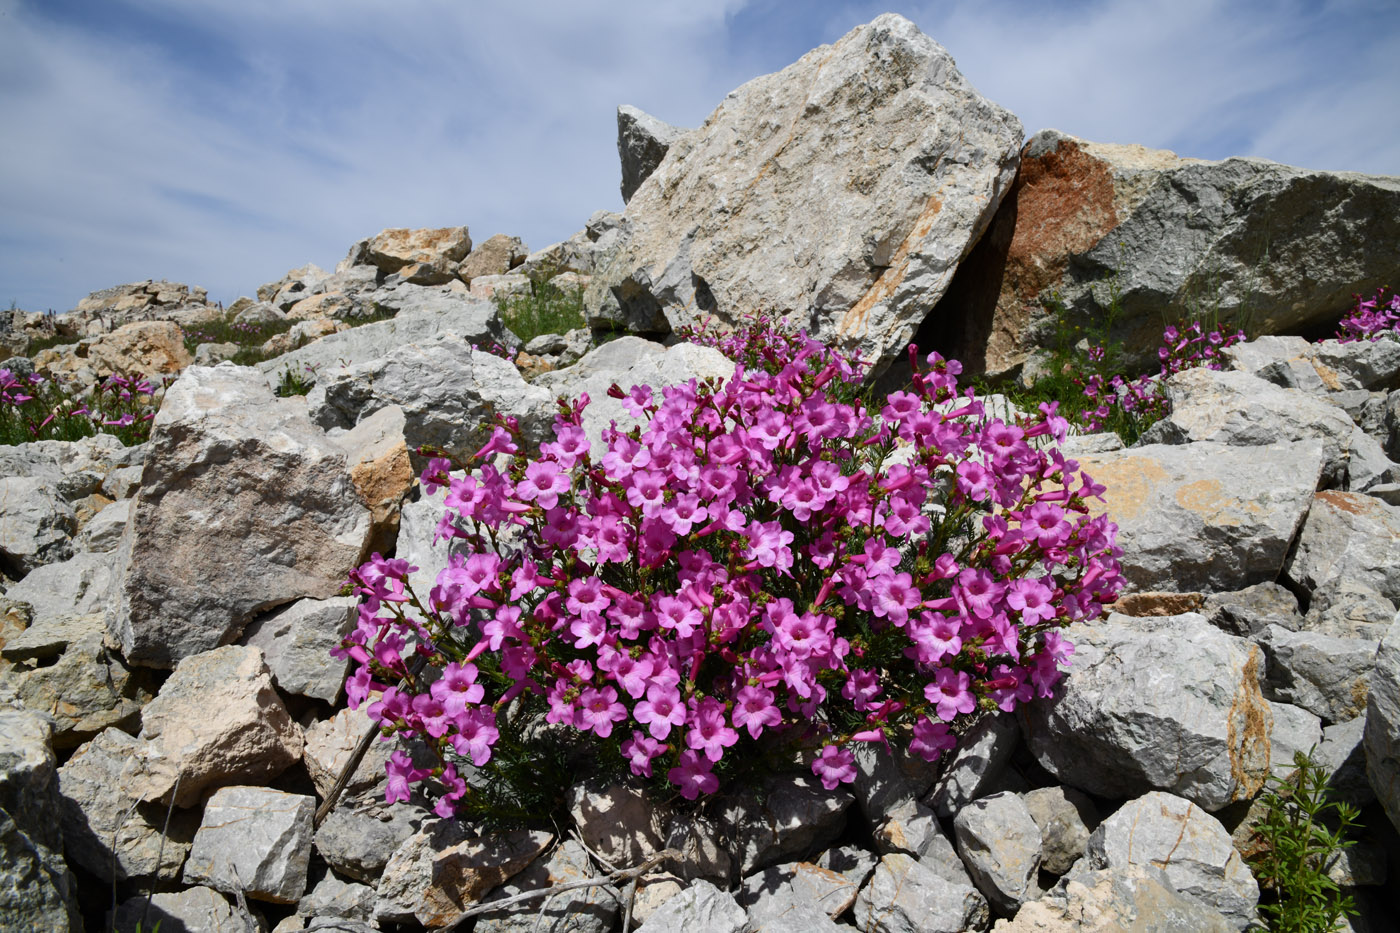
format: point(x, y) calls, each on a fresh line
point(1345, 607)
point(1205, 517)
point(1324, 675)
point(1251, 610)
point(439, 872)
point(978, 761)
point(1190, 846)
point(582, 910)
point(1348, 534)
point(1295, 730)
point(999, 842)
point(1066, 817)
point(217, 721)
point(794, 817)
point(103, 532)
point(447, 390)
point(392, 250)
point(618, 822)
point(271, 498)
point(1291, 246)
point(499, 287)
point(1132, 897)
point(296, 642)
point(1342, 754)
point(381, 470)
point(1383, 725)
point(642, 142)
point(300, 335)
point(110, 833)
point(195, 910)
point(845, 188)
point(496, 256)
point(148, 348)
point(253, 839)
point(1170, 703)
point(332, 897)
point(37, 892)
point(1373, 365)
point(1241, 410)
point(62, 596)
point(360, 835)
point(703, 847)
point(904, 896)
point(798, 883)
point(851, 862)
point(73, 468)
point(702, 906)
point(909, 827)
point(331, 742)
point(779, 915)
point(36, 525)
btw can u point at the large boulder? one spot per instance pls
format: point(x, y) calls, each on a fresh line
point(642, 142)
point(844, 189)
point(425, 256)
point(256, 840)
point(1205, 516)
point(496, 256)
point(147, 348)
point(1089, 223)
point(245, 505)
point(1169, 704)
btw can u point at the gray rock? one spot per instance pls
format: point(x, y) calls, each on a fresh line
point(1170, 235)
point(702, 906)
point(1324, 675)
point(582, 910)
point(496, 255)
point(792, 818)
point(1345, 607)
point(330, 744)
point(423, 314)
point(1388, 492)
point(850, 862)
point(703, 847)
point(1359, 364)
point(1249, 611)
point(439, 871)
point(1342, 754)
point(296, 642)
point(905, 896)
point(1189, 845)
point(1132, 897)
point(642, 142)
point(110, 833)
point(270, 495)
point(37, 892)
point(845, 188)
point(1206, 516)
point(103, 532)
point(194, 910)
point(448, 392)
point(1349, 534)
point(1077, 444)
point(1383, 725)
point(909, 827)
point(253, 839)
point(217, 721)
point(60, 595)
point(212, 354)
point(1390, 424)
point(36, 524)
point(978, 761)
point(780, 888)
point(618, 822)
point(1166, 703)
point(546, 345)
point(999, 842)
point(332, 897)
point(1241, 410)
point(1367, 464)
point(74, 468)
point(1295, 730)
point(361, 833)
point(1066, 817)
point(789, 915)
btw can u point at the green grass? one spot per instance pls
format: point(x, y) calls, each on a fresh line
point(227, 330)
point(548, 309)
point(39, 344)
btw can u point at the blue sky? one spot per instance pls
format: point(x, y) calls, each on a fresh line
point(222, 142)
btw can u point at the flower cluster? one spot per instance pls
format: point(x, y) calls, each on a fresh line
point(35, 407)
point(1141, 399)
point(1371, 319)
point(767, 564)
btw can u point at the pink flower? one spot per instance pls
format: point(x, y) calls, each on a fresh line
point(931, 739)
point(476, 733)
point(692, 775)
point(835, 766)
point(640, 750)
point(598, 710)
point(951, 693)
point(402, 774)
point(544, 483)
point(754, 710)
point(768, 544)
point(661, 710)
point(708, 730)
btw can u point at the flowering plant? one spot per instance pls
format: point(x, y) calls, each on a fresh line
point(35, 407)
point(767, 565)
point(1371, 319)
point(1140, 402)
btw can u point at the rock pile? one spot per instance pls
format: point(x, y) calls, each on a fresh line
point(173, 719)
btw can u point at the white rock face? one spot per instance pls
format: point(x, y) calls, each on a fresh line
point(296, 642)
point(255, 839)
point(1166, 703)
point(844, 188)
point(245, 506)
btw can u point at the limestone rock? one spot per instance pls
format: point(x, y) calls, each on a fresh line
point(496, 256)
point(1066, 817)
point(642, 142)
point(59, 594)
point(1349, 534)
point(36, 524)
point(1342, 754)
point(1295, 730)
point(103, 532)
point(1251, 610)
point(618, 822)
point(1189, 845)
point(702, 906)
point(1205, 516)
point(1170, 703)
point(799, 883)
point(583, 910)
point(439, 872)
point(296, 642)
point(217, 721)
point(794, 816)
point(37, 892)
point(331, 742)
point(905, 896)
point(1383, 725)
point(447, 390)
point(332, 897)
point(1324, 675)
point(978, 761)
point(149, 348)
point(497, 287)
point(107, 831)
point(999, 842)
point(438, 250)
point(253, 839)
point(1291, 245)
point(1131, 897)
point(195, 910)
point(235, 479)
point(845, 188)
point(360, 835)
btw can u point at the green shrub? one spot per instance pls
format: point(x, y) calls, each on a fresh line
point(548, 309)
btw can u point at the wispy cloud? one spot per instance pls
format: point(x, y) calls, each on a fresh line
point(222, 142)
